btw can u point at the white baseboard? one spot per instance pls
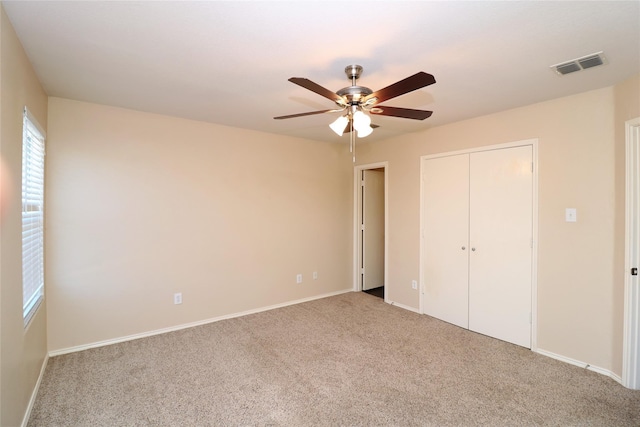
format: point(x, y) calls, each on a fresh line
point(406, 307)
point(34, 394)
point(584, 365)
point(74, 349)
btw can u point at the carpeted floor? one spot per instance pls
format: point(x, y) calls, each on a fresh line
point(348, 360)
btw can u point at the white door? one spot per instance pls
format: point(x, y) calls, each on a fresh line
point(373, 229)
point(446, 230)
point(631, 347)
point(500, 261)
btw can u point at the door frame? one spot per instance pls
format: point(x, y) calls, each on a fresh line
point(357, 200)
point(631, 334)
point(534, 231)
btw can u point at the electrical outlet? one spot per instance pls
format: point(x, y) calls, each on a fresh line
point(315, 275)
point(177, 298)
point(299, 278)
point(414, 284)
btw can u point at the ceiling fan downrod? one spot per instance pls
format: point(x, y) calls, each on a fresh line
point(353, 72)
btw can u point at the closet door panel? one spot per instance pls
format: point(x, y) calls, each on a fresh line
point(446, 235)
point(500, 261)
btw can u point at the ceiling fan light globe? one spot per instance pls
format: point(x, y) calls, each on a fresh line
point(361, 121)
point(362, 133)
point(339, 125)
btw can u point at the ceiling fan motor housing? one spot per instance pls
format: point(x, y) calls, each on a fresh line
point(354, 93)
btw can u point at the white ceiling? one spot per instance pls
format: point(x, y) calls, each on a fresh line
point(228, 62)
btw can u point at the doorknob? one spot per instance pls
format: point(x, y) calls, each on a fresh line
point(464, 247)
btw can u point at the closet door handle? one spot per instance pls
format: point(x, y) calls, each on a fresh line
point(464, 247)
point(473, 249)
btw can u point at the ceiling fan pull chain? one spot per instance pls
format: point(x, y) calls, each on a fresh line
point(354, 147)
point(352, 141)
point(351, 136)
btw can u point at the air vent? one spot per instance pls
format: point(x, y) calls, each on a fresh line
point(579, 64)
point(591, 61)
point(569, 67)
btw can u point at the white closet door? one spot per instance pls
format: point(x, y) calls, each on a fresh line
point(446, 231)
point(500, 261)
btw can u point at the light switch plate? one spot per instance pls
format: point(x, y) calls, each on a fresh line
point(570, 215)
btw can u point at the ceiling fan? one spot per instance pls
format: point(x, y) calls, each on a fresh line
point(356, 101)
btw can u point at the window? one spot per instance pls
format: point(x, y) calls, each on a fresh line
point(32, 216)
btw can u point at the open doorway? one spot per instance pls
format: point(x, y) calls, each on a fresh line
point(370, 228)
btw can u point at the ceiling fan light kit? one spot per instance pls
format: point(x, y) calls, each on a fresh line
point(365, 132)
point(359, 100)
point(361, 121)
point(339, 125)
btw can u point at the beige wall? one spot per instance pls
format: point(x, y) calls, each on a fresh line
point(578, 287)
point(627, 106)
point(140, 206)
point(22, 352)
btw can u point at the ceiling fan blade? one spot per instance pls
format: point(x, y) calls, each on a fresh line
point(407, 85)
point(310, 113)
point(406, 113)
point(315, 87)
point(347, 129)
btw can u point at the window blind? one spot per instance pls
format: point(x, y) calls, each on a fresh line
point(32, 216)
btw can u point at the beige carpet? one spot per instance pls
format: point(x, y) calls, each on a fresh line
point(348, 360)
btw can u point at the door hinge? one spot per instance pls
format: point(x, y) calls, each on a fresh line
point(530, 318)
point(634, 271)
point(531, 167)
